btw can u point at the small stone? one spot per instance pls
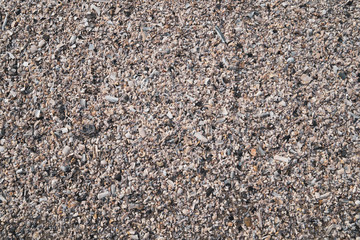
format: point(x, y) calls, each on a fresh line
point(160, 163)
point(128, 135)
point(282, 103)
point(72, 39)
point(253, 152)
point(103, 195)
point(64, 130)
point(305, 79)
point(33, 48)
point(342, 75)
point(113, 189)
point(2, 199)
point(179, 191)
point(224, 112)
point(64, 168)
point(200, 137)
point(340, 171)
point(185, 211)
point(66, 150)
point(91, 47)
point(169, 114)
point(96, 9)
point(83, 103)
point(209, 191)
point(248, 222)
point(142, 132)
point(118, 177)
point(2, 149)
point(111, 99)
point(37, 113)
point(290, 60)
point(310, 32)
point(41, 43)
point(281, 159)
point(357, 202)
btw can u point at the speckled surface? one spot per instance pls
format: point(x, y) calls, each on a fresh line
point(169, 120)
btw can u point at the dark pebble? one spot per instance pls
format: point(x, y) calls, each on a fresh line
point(118, 177)
point(342, 75)
point(209, 191)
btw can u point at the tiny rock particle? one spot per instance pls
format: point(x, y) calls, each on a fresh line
point(103, 195)
point(305, 79)
point(142, 132)
point(281, 159)
point(111, 99)
point(248, 222)
point(253, 152)
point(66, 150)
point(33, 49)
point(200, 137)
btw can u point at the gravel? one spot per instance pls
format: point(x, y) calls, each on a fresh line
point(171, 120)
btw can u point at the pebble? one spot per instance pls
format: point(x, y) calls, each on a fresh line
point(282, 103)
point(199, 136)
point(96, 9)
point(111, 99)
point(66, 150)
point(185, 211)
point(281, 159)
point(37, 113)
point(103, 195)
point(33, 48)
point(142, 132)
point(305, 79)
point(179, 191)
point(64, 130)
point(91, 47)
point(117, 177)
point(64, 168)
point(41, 43)
point(72, 39)
point(83, 103)
point(2, 199)
point(2, 149)
point(169, 114)
point(290, 60)
point(113, 189)
point(342, 75)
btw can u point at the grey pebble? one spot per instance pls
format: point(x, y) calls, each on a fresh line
point(83, 103)
point(41, 43)
point(37, 113)
point(342, 75)
point(64, 168)
point(111, 99)
point(290, 60)
point(72, 39)
point(33, 48)
point(200, 137)
point(66, 150)
point(103, 195)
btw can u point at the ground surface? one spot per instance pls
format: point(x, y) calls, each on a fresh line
point(169, 120)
